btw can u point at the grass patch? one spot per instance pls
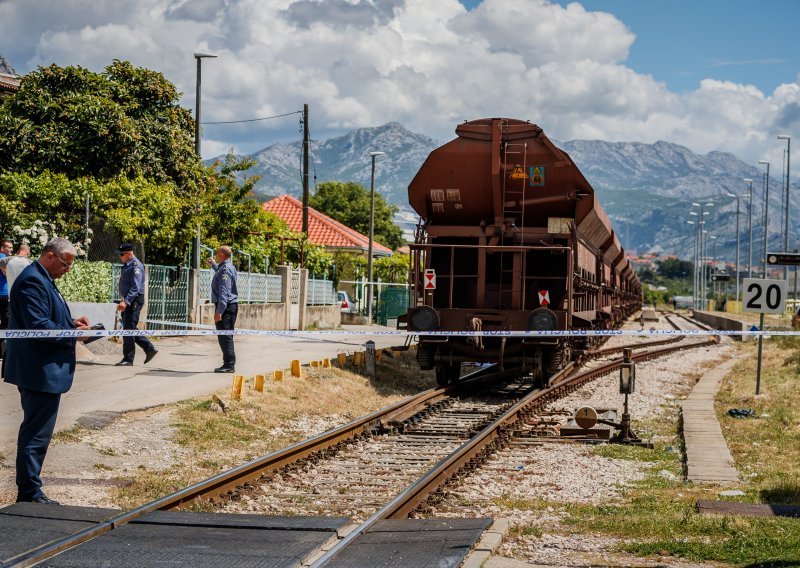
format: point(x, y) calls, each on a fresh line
point(658, 515)
point(73, 435)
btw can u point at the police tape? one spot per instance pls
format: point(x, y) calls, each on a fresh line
point(75, 333)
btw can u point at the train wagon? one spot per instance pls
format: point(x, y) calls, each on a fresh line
point(511, 237)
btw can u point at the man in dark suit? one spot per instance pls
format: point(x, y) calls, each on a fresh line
point(42, 368)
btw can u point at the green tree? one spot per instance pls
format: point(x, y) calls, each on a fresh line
point(125, 121)
point(675, 268)
point(121, 138)
point(348, 203)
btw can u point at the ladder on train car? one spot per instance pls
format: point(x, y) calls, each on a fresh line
point(514, 182)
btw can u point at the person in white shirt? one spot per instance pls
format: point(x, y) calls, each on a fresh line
point(13, 265)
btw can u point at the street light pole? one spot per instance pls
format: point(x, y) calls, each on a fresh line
point(786, 210)
point(750, 229)
point(373, 155)
point(737, 244)
point(198, 55)
point(766, 215)
point(694, 271)
point(714, 269)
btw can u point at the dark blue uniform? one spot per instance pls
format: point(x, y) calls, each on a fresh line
point(132, 284)
point(225, 296)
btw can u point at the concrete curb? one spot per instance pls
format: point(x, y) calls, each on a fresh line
point(490, 541)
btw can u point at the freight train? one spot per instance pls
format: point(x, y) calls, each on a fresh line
point(511, 237)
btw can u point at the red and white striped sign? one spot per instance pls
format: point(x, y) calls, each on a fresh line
point(430, 279)
point(544, 298)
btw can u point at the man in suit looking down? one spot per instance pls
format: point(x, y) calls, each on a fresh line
point(41, 368)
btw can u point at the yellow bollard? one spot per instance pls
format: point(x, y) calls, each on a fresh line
point(277, 375)
point(314, 363)
point(358, 356)
point(378, 354)
point(236, 390)
point(341, 360)
point(259, 384)
point(326, 363)
point(295, 368)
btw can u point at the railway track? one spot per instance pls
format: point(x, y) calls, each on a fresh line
point(404, 454)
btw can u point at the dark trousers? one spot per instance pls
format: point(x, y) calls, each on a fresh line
point(130, 320)
point(39, 411)
point(4, 317)
point(228, 321)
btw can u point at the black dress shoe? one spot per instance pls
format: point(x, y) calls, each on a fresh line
point(45, 500)
point(149, 355)
point(224, 370)
point(124, 364)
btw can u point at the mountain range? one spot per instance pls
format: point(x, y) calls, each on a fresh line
point(646, 189)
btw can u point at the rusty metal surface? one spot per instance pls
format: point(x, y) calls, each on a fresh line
point(460, 183)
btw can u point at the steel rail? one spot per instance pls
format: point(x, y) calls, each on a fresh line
point(219, 484)
point(469, 453)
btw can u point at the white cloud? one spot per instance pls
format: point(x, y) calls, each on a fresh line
point(428, 65)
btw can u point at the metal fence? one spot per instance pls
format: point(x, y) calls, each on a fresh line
point(253, 287)
point(320, 293)
point(167, 294)
point(389, 299)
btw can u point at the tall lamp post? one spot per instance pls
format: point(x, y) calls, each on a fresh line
point(749, 228)
point(198, 55)
point(737, 243)
point(766, 215)
point(702, 273)
point(714, 268)
point(786, 210)
point(373, 155)
point(694, 275)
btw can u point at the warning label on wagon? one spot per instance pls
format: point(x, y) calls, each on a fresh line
point(537, 176)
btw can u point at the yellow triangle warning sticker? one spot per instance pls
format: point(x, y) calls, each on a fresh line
point(518, 173)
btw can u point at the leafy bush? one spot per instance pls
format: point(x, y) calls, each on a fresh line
point(87, 282)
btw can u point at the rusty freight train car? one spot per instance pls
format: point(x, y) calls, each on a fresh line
point(512, 237)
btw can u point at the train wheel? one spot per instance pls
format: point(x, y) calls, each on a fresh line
point(447, 373)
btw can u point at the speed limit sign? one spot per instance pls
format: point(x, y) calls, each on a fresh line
point(764, 296)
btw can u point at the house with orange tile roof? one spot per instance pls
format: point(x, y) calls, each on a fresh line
point(9, 81)
point(322, 230)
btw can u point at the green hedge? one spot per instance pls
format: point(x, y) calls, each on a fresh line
point(87, 282)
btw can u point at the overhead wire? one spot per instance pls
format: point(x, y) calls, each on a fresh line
point(254, 119)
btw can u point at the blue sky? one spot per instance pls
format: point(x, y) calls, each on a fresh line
point(682, 42)
point(710, 75)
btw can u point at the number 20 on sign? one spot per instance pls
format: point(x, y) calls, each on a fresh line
point(764, 296)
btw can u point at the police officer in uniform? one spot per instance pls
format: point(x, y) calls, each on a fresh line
point(224, 295)
point(132, 284)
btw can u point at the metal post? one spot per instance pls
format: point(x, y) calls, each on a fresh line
point(198, 56)
point(197, 109)
point(750, 229)
point(786, 206)
point(736, 273)
point(86, 227)
point(766, 215)
point(737, 250)
point(305, 170)
point(373, 155)
point(760, 347)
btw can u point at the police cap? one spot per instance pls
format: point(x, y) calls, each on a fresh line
point(123, 248)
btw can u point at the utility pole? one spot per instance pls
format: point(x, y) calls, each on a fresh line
point(305, 170)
